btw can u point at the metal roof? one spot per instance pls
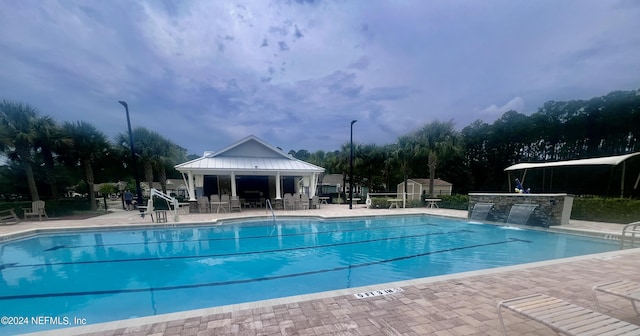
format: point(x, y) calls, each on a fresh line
point(250, 156)
point(609, 160)
point(425, 181)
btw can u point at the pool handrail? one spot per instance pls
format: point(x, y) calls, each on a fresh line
point(632, 229)
point(268, 203)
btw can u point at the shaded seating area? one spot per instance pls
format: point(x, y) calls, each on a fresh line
point(252, 170)
point(564, 317)
point(37, 209)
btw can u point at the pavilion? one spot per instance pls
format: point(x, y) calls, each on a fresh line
point(250, 169)
point(609, 161)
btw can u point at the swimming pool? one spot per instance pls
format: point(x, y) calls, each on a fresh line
point(91, 277)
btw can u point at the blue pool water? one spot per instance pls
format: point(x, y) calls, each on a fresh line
point(102, 276)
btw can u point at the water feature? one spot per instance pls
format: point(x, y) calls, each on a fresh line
point(551, 210)
point(520, 213)
point(481, 211)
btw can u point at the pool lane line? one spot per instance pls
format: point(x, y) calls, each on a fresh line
point(227, 238)
point(235, 282)
point(17, 265)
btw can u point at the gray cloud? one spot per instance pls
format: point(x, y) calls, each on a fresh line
point(207, 73)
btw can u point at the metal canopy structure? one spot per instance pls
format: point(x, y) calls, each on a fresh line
point(609, 160)
point(602, 161)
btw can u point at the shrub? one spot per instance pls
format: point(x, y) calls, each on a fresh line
point(379, 203)
point(456, 201)
point(600, 209)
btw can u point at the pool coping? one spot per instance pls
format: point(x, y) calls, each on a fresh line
point(98, 327)
point(27, 233)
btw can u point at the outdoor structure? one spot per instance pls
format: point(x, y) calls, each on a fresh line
point(545, 209)
point(332, 184)
point(610, 161)
point(250, 169)
point(548, 209)
point(419, 186)
point(338, 184)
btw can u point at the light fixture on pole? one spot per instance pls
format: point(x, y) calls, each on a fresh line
point(133, 159)
point(351, 168)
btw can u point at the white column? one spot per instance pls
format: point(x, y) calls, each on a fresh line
point(192, 194)
point(233, 184)
point(278, 194)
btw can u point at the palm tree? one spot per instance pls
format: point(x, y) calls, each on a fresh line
point(166, 154)
point(438, 140)
point(404, 153)
point(49, 139)
point(18, 137)
point(156, 153)
point(87, 145)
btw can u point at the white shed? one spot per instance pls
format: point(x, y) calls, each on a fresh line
point(418, 186)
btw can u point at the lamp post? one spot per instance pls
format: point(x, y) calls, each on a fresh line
point(133, 158)
point(351, 168)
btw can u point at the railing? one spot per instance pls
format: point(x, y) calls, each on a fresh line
point(629, 231)
point(269, 207)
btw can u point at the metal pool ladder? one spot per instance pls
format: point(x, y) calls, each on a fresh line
point(271, 208)
point(629, 232)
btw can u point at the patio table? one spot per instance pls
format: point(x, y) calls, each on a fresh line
point(432, 202)
point(394, 202)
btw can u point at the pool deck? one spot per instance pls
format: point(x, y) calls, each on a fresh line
point(451, 305)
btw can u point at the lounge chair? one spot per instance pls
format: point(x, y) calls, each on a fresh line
point(315, 202)
point(288, 201)
point(9, 217)
point(625, 289)
point(564, 317)
point(203, 204)
point(226, 198)
point(37, 209)
point(234, 204)
point(301, 201)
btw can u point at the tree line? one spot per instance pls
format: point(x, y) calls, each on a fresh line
point(474, 158)
point(50, 156)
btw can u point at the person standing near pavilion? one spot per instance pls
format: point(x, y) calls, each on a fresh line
point(128, 199)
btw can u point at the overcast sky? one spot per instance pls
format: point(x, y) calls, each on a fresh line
point(295, 73)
